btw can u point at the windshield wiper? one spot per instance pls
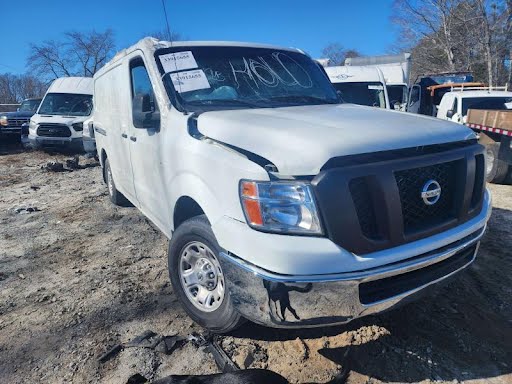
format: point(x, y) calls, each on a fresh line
point(303, 98)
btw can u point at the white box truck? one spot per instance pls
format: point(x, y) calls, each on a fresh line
point(396, 70)
point(360, 85)
point(283, 205)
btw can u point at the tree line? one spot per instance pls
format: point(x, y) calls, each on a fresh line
point(449, 36)
point(457, 35)
point(76, 54)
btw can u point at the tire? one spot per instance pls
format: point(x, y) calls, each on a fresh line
point(497, 169)
point(185, 245)
point(116, 197)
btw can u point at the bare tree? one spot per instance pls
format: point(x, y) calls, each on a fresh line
point(438, 24)
point(508, 37)
point(493, 20)
point(337, 54)
point(92, 49)
point(457, 35)
point(15, 88)
point(77, 54)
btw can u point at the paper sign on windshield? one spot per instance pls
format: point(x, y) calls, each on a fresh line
point(189, 81)
point(376, 87)
point(178, 61)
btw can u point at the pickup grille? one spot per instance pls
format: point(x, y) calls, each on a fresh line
point(53, 130)
point(370, 205)
point(17, 122)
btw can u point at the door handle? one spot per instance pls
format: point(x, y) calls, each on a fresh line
point(124, 135)
point(133, 138)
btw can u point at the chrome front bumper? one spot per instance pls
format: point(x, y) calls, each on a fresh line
point(286, 301)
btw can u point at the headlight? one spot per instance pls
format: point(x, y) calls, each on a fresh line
point(3, 121)
point(281, 207)
point(32, 126)
point(78, 127)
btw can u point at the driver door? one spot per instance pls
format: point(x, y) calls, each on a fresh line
point(145, 146)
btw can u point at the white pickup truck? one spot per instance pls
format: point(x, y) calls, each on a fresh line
point(283, 205)
point(454, 105)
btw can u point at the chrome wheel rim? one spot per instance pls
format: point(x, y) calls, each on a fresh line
point(110, 184)
point(490, 161)
point(201, 276)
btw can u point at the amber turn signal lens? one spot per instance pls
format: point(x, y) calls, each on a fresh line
point(249, 189)
point(252, 208)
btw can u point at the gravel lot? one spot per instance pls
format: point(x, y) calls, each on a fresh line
point(78, 276)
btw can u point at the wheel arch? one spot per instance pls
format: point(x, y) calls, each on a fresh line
point(185, 208)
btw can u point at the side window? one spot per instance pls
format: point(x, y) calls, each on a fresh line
point(144, 107)
point(455, 108)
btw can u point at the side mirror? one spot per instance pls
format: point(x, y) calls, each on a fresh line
point(450, 113)
point(144, 114)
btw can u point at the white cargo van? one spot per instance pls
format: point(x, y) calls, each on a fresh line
point(58, 122)
point(283, 205)
point(88, 137)
point(360, 85)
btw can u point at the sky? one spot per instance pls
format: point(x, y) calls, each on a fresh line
point(308, 25)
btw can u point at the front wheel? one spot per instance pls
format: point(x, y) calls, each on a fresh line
point(197, 276)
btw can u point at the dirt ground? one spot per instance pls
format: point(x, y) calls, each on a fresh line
point(78, 276)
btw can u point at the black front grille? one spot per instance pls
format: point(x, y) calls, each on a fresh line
point(363, 202)
point(367, 207)
point(17, 122)
point(53, 130)
point(416, 213)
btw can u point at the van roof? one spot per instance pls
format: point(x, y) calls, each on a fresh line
point(151, 44)
point(354, 74)
point(79, 85)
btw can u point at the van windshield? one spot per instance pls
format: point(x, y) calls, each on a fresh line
point(70, 104)
point(216, 77)
point(363, 93)
point(499, 103)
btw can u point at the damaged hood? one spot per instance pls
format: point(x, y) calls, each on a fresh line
point(300, 140)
